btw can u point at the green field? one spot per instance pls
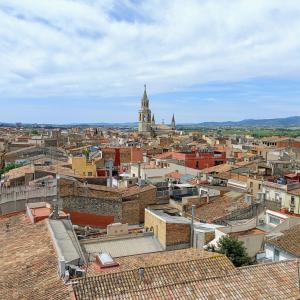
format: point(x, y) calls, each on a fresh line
point(252, 131)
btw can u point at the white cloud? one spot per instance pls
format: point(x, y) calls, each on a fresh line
point(110, 48)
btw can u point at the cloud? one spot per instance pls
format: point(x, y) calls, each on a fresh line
point(110, 48)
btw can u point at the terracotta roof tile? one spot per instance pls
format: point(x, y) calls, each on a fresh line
point(28, 261)
point(220, 206)
point(155, 277)
point(127, 263)
point(207, 279)
point(289, 241)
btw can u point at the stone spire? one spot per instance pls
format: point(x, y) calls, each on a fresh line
point(173, 123)
point(153, 120)
point(145, 100)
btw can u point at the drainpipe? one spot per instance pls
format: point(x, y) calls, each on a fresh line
point(139, 174)
point(192, 225)
point(110, 172)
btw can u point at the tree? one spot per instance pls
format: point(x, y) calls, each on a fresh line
point(34, 132)
point(86, 153)
point(233, 249)
point(9, 167)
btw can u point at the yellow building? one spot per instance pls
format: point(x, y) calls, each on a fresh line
point(82, 167)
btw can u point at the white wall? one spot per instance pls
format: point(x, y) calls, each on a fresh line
point(161, 172)
point(270, 249)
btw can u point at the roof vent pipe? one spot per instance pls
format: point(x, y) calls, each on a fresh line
point(141, 272)
point(110, 166)
point(139, 170)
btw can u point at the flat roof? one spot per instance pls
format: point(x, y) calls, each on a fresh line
point(123, 246)
point(169, 218)
point(65, 239)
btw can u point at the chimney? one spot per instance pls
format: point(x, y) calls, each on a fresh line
point(207, 198)
point(141, 272)
point(54, 214)
point(140, 183)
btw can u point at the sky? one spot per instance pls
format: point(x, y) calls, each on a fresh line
point(66, 61)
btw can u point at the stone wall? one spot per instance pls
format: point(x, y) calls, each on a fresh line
point(90, 199)
point(177, 234)
point(101, 200)
point(131, 212)
point(101, 207)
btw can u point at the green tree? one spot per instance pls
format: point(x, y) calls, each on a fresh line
point(86, 153)
point(9, 167)
point(233, 249)
point(34, 132)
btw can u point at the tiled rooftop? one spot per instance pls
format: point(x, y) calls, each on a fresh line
point(221, 206)
point(210, 278)
point(121, 283)
point(289, 241)
point(28, 261)
point(218, 169)
point(152, 259)
point(295, 192)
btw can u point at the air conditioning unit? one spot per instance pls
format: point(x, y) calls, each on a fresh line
point(66, 276)
point(79, 272)
point(72, 269)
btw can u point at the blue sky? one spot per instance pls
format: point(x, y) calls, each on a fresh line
point(68, 61)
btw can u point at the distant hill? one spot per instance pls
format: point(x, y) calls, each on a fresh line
point(278, 122)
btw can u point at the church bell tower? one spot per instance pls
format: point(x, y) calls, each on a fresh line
point(145, 114)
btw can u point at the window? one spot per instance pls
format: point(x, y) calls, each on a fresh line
point(277, 197)
point(251, 184)
point(276, 255)
point(259, 186)
point(274, 220)
point(90, 174)
point(292, 200)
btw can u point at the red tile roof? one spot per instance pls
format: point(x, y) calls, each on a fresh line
point(210, 278)
point(28, 261)
point(289, 241)
point(174, 174)
point(221, 206)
